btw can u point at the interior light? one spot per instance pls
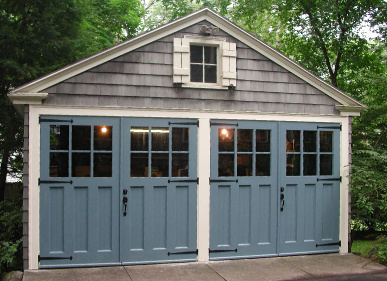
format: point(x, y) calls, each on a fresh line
point(224, 132)
point(103, 129)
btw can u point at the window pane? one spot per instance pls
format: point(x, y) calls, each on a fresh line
point(210, 55)
point(139, 138)
point(245, 140)
point(196, 73)
point(226, 139)
point(139, 165)
point(159, 165)
point(326, 164)
point(81, 137)
point(226, 165)
point(292, 164)
point(160, 139)
point(262, 165)
point(326, 141)
point(59, 164)
point(210, 71)
point(180, 139)
point(103, 137)
point(292, 141)
point(310, 141)
point(263, 141)
point(196, 53)
point(310, 164)
point(81, 164)
point(102, 165)
point(59, 137)
point(180, 165)
point(244, 165)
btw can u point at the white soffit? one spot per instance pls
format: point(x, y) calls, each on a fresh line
point(172, 27)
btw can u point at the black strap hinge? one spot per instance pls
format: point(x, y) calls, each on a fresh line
point(193, 180)
point(236, 180)
point(54, 120)
point(223, 124)
point(329, 179)
point(183, 253)
point(330, 244)
point(184, 123)
point(330, 127)
point(222, 251)
point(53, 181)
point(40, 258)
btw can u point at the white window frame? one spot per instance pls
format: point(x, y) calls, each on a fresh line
point(226, 61)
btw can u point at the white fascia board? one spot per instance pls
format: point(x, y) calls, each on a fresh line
point(27, 98)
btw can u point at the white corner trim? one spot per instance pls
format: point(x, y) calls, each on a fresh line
point(27, 98)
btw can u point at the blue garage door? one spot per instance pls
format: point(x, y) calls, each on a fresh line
point(274, 189)
point(117, 191)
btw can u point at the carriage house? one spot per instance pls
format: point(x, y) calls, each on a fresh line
point(192, 142)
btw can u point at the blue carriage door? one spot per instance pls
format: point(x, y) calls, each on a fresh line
point(243, 183)
point(79, 191)
point(158, 190)
point(309, 188)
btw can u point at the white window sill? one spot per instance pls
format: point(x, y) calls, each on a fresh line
point(204, 86)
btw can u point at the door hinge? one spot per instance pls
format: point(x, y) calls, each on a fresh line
point(184, 123)
point(236, 180)
point(330, 244)
point(222, 251)
point(53, 181)
point(40, 258)
point(183, 253)
point(55, 120)
point(193, 180)
point(330, 127)
point(223, 124)
point(329, 179)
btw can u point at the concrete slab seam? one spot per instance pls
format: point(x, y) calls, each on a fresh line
point(127, 273)
point(216, 272)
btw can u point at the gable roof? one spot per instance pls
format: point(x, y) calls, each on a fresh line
point(31, 92)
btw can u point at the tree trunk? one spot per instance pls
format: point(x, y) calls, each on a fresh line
point(4, 172)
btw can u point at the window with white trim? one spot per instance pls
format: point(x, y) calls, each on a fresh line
point(204, 62)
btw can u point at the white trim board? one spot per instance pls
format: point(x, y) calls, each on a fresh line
point(179, 24)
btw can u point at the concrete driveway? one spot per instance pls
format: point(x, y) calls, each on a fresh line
point(323, 267)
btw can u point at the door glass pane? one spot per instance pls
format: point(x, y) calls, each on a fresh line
point(160, 139)
point(292, 141)
point(180, 165)
point(226, 165)
point(326, 141)
point(310, 141)
point(244, 165)
point(310, 164)
point(180, 139)
point(59, 137)
point(80, 164)
point(326, 164)
point(262, 165)
point(292, 164)
point(139, 164)
point(102, 165)
point(210, 74)
point(263, 141)
point(196, 73)
point(210, 55)
point(81, 138)
point(196, 54)
point(103, 137)
point(245, 140)
point(139, 138)
point(226, 139)
point(159, 165)
point(59, 164)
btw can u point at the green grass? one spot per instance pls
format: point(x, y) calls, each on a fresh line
point(376, 250)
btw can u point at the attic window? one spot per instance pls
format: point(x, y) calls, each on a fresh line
point(203, 64)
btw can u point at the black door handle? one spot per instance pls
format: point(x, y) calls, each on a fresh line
point(282, 198)
point(125, 201)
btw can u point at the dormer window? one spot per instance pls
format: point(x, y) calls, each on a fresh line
point(203, 64)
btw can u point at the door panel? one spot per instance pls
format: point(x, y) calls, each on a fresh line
point(79, 218)
point(243, 212)
point(160, 180)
